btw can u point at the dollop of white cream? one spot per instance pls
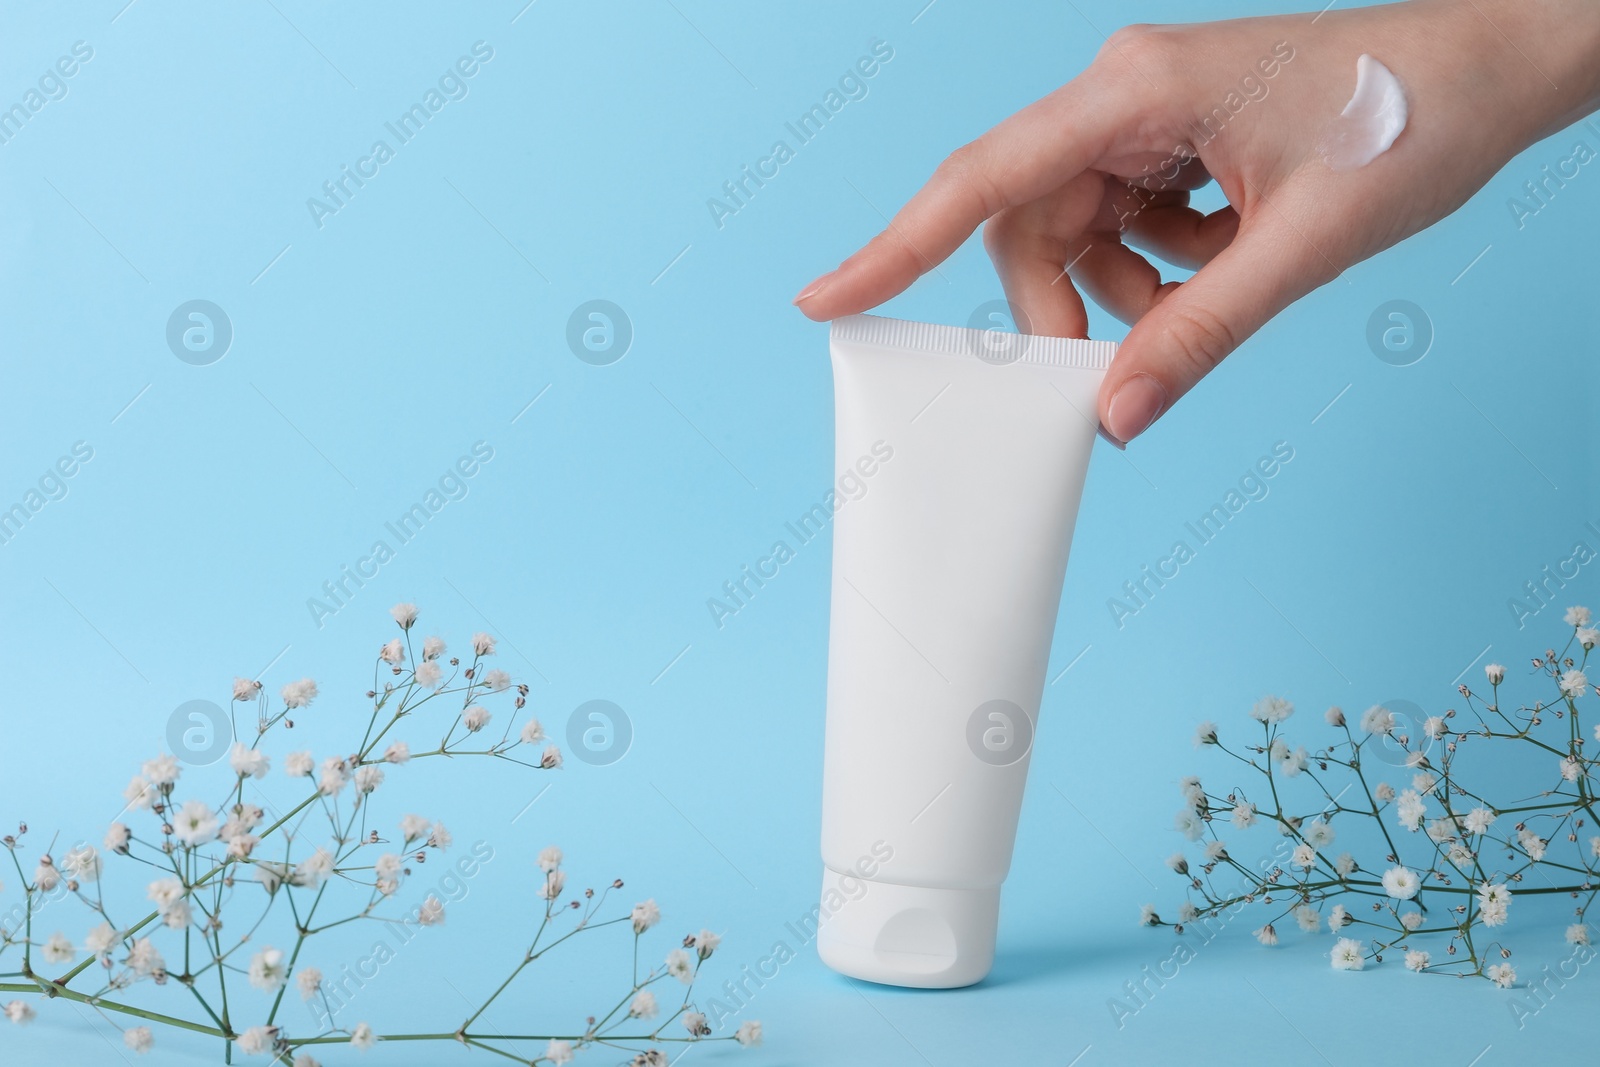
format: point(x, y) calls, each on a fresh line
point(1370, 122)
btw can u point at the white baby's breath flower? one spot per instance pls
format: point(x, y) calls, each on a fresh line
point(1205, 734)
point(139, 1039)
point(46, 876)
point(100, 940)
point(475, 718)
point(393, 653)
point(335, 773)
point(299, 694)
point(298, 764)
point(695, 1023)
point(1244, 815)
point(195, 824)
point(1308, 918)
point(362, 1038)
point(532, 732)
point(431, 913)
point(1178, 862)
point(82, 863)
point(1501, 974)
point(1377, 720)
point(554, 882)
point(368, 778)
point(245, 689)
point(1588, 637)
point(749, 1033)
point(497, 680)
point(429, 674)
point(550, 858)
point(1216, 849)
point(1271, 709)
point(309, 980)
point(1441, 830)
point(706, 942)
point(1435, 727)
point(1411, 920)
point(1410, 810)
point(1267, 935)
point(386, 869)
point(257, 1040)
point(404, 614)
point(267, 969)
point(1187, 912)
point(1570, 769)
point(1304, 856)
point(482, 644)
point(163, 770)
point(1400, 883)
point(1348, 955)
point(413, 828)
point(679, 966)
point(314, 869)
point(20, 1012)
point(1495, 673)
point(1578, 934)
point(558, 1052)
point(1319, 835)
point(1344, 864)
point(644, 1005)
point(1416, 959)
point(1460, 855)
point(1338, 917)
point(1574, 684)
point(1192, 791)
point(1577, 616)
point(145, 960)
point(1189, 824)
point(645, 915)
point(432, 648)
point(398, 753)
point(117, 837)
point(248, 762)
point(1148, 916)
point(1532, 844)
point(551, 759)
point(1424, 782)
point(1294, 762)
point(1334, 716)
point(440, 838)
point(58, 949)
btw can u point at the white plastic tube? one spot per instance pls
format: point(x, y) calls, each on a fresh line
point(947, 577)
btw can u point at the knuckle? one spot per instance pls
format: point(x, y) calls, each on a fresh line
point(1139, 44)
point(967, 168)
point(1199, 337)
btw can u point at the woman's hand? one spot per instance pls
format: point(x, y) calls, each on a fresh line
point(1071, 185)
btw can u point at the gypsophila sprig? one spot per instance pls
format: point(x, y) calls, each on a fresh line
point(330, 860)
point(1453, 864)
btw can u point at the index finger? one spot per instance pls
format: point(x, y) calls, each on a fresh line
point(1033, 151)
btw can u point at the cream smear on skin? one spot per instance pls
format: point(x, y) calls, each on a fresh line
point(1370, 122)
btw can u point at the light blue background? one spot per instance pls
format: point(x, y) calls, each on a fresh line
point(425, 316)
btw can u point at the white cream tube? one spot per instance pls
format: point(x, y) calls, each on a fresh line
point(947, 577)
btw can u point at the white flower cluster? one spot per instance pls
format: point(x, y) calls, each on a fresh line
point(211, 855)
point(1465, 854)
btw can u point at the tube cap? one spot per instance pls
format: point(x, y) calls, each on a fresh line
point(908, 935)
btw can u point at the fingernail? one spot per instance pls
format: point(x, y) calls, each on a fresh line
point(815, 287)
point(1112, 441)
point(1134, 406)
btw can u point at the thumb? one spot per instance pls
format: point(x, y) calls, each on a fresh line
point(1196, 324)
